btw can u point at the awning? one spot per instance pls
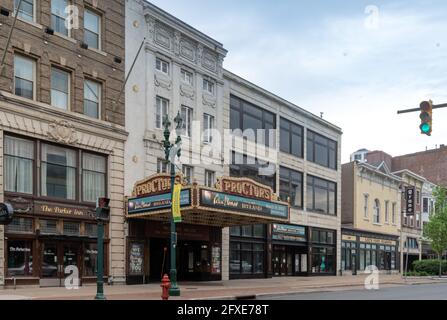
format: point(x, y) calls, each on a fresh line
point(233, 202)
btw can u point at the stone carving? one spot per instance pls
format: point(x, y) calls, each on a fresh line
point(150, 27)
point(199, 54)
point(187, 50)
point(162, 37)
point(187, 92)
point(209, 100)
point(177, 37)
point(209, 61)
point(63, 131)
point(165, 84)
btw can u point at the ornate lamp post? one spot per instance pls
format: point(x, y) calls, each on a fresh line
point(172, 151)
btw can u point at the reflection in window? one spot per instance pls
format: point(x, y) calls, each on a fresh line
point(321, 195)
point(321, 150)
point(291, 186)
point(20, 258)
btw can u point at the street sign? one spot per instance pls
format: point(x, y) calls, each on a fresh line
point(409, 200)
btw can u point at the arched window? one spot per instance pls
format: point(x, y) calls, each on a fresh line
point(376, 211)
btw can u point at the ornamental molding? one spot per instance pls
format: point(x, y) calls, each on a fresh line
point(209, 100)
point(163, 83)
point(187, 92)
point(63, 131)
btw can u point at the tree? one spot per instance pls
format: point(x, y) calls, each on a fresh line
point(436, 229)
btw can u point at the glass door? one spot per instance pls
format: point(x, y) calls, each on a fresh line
point(50, 266)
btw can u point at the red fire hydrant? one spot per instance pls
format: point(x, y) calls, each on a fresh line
point(165, 285)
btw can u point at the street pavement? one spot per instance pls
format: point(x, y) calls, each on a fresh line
point(402, 292)
point(220, 290)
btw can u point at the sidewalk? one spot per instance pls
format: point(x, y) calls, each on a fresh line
point(214, 290)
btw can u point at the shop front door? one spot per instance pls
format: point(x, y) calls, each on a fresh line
point(56, 257)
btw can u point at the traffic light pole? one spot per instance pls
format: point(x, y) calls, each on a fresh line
point(439, 106)
point(100, 272)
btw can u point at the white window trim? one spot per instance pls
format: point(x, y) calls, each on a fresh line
point(187, 72)
point(161, 111)
point(69, 90)
point(99, 49)
point(207, 87)
point(208, 137)
point(190, 114)
point(34, 22)
point(68, 29)
point(99, 99)
point(365, 206)
point(161, 66)
point(213, 173)
point(34, 76)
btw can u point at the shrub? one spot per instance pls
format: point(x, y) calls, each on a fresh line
point(430, 267)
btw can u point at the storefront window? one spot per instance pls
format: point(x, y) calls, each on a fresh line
point(235, 231)
point(91, 230)
point(72, 228)
point(20, 225)
point(20, 258)
point(247, 231)
point(235, 258)
point(48, 226)
point(323, 260)
point(259, 231)
point(258, 258)
point(90, 259)
point(246, 258)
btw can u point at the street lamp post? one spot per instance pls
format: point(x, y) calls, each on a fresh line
point(172, 151)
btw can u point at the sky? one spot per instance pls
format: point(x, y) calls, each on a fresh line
point(358, 62)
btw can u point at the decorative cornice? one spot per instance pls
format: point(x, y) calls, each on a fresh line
point(62, 131)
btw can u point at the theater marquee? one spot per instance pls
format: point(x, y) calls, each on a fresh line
point(234, 201)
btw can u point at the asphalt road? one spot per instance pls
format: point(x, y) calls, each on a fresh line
point(404, 292)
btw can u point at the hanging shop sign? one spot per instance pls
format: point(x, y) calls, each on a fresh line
point(230, 202)
point(409, 197)
point(377, 241)
point(46, 208)
point(285, 232)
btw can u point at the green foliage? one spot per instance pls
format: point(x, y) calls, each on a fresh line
point(417, 274)
point(436, 229)
point(429, 267)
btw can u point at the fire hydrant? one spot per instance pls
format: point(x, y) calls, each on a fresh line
point(165, 285)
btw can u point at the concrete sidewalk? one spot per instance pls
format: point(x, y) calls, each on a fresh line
point(233, 289)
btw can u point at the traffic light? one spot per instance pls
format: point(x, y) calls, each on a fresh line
point(6, 213)
point(426, 117)
point(103, 209)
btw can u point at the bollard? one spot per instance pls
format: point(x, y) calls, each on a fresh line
point(165, 285)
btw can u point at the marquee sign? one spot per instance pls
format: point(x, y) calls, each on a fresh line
point(157, 202)
point(155, 184)
point(245, 187)
point(285, 232)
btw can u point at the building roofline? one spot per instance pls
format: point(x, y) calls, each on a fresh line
point(375, 169)
point(422, 152)
point(411, 173)
point(270, 95)
point(184, 25)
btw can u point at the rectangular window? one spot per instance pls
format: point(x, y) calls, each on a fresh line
point(321, 150)
point(188, 173)
point(321, 195)
point(59, 16)
point(90, 259)
point(393, 213)
point(20, 225)
point(18, 165)
point(244, 115)
point(92, 29)
point(418, 197)
point(48, 226)
point(387, 211)
point(291, 138)
point(208, 86)
point(187, 117)
point(208, 127)
point(291, 186)
point(91, 230)
point(20, 258)
point(162, 166)
point(92, 99)
point(24, 76)
point(60, 88)
point(210, 178)
point(249, 167)
point(26, 11)
point(365, 205)
point(93, 177)
point(162, 110)
point(186, 77)
point(72, 228)
point(162, 65)
point(425, 205)
point(58, 172)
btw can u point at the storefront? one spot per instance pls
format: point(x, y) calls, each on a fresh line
point(241, 204)
point(290, 250)
point(360, 250)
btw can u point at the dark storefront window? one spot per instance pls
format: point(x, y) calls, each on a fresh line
point(20, 258)
point(244, 115)
point(246, 258)
point(20, 225)
point(321, 150)
point(90, 259)
point(323, 251)
point(48, 226)
point(291, 138)
point(91, 230)
point(381, 256)
point(249, 167)
point(321, 195)
point(291, 185)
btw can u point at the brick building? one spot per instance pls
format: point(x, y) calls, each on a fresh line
point(61, 138)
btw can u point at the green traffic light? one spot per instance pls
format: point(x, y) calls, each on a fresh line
point(425, 128)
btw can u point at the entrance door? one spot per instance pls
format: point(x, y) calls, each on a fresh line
point(55, 258)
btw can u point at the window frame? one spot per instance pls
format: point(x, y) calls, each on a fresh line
point(327, 189)
point(162, 62)
point(191, 170)
point(209, 86)
point(387, 212)
point(208, 131)
point(160, 112)
point(311, 141)
point(99, 15)
point(20, 16)
point(187, 123)
point(207, 182)
point(60, 17)
point(68, 73)
point(283, 122)
point(106, 168)
point(189, 73)
point(283, 169)
point(100, 97)
point(366, 206)
point(247, 166)
point(376, 211)
point(34, 81)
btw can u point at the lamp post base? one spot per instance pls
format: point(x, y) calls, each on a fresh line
point(174, 291)
point(100, 296)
